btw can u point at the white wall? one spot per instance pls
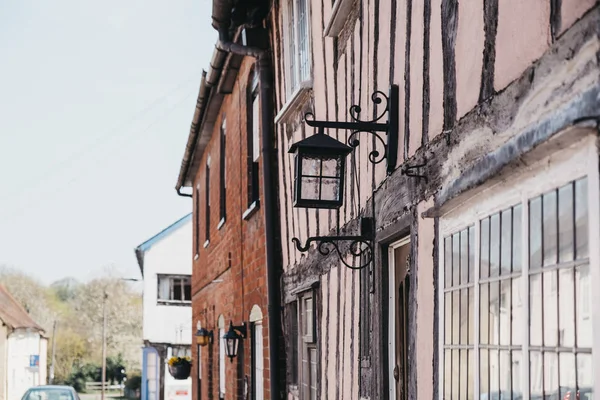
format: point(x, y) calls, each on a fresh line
point(3, 361)
point(172, 254)
point(177, 389)
point(43, 361)
point(21, 345)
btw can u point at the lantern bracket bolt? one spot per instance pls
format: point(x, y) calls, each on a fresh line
point(241, 330)
point(357, 125)
point(413, 171)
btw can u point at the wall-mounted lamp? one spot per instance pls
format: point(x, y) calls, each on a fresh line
point(232, 339)
point(320, 170)
point(204, 337)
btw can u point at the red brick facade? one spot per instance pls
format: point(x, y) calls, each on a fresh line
point(235, 254)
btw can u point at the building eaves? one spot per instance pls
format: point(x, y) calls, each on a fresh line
point(14, 315)
point(142, 248)
point(216, 83)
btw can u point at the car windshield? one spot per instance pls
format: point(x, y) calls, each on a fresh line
point(49, 394)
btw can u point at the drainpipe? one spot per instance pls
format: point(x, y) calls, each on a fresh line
point(270, 210)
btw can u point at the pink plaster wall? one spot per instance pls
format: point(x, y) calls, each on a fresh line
point(469, 54)
point(383, 72)
point(436, 71)
point(346, 339)
point(356, 330)
point(425, 300)
point(324, 329)
point(416, 78)
point(572, 10)
point(398, 78)
point(331, 332)
point(523, 36)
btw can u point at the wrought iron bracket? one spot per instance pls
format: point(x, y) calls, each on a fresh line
point(360, 247)
point(413, 171)
point(390, 127)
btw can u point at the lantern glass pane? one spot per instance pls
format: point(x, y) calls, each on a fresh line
point(331, 167)
point(311, 166)
point(310, 189)
point(330, 189)
point(231, 347)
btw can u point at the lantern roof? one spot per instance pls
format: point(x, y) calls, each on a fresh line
point(322, 142)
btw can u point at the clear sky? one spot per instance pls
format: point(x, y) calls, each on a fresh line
point(96, 101)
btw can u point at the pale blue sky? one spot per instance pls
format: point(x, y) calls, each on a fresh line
point(96, 101)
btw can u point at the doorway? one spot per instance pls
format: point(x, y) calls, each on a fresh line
point(398, 306)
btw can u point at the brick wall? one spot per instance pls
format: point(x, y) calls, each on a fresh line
point(236, 252)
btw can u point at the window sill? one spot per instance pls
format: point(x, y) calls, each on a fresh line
point(206, 243)
point(297, 99)
point(174, 303)
point(339, 16)
point(251, 210)
point(221, 223)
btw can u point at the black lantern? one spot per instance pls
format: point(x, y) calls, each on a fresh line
point(232, 339)
point(320, 162)
point(204, 337)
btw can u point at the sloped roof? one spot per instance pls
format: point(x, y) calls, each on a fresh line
point(13, 314)
point(142, 248)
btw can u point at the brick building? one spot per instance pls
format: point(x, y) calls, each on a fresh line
point(223, 165)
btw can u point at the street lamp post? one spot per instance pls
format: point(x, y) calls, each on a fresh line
point(103, 344)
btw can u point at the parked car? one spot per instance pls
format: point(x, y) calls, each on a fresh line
point(51, 392)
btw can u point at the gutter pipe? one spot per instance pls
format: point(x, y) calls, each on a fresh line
point(271, 216)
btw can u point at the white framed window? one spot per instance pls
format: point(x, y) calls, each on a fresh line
point(515, 277)
point(308, 347)
point(297, 45)
point(222, 357)
point(174, 289)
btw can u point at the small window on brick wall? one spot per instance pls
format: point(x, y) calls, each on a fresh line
point(253, 137)
point(197, 215)
point(207, 204)
point(223, 174)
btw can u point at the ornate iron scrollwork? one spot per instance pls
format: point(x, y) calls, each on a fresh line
point(360, 248)
point(373, 126)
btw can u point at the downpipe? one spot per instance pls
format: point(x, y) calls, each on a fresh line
point(270, 210)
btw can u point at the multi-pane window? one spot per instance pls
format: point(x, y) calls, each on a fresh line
point(223, 174)
point(366, 298)
point(174, 289)
point(521, 309)
point(207, 204)
point(560, 335)
point(297, 44)
point(501, 303)
point(292, 315)
point(308, 350)
point(459, 293)
point(253, 141)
